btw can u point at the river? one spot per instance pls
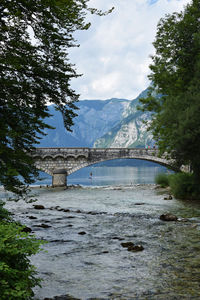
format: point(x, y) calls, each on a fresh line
point(86, 225)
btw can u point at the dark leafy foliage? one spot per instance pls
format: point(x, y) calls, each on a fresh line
point(17, 275)
point(184, 186)
point(35, 70)
point(175, 74)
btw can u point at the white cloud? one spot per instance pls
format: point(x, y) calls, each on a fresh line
point(114, 54)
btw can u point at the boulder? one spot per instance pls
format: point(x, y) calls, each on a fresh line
point(43, 225)
point(59, 208)
point(118, 238)
point(93, 213)
point(127, 244)
point(26, 229)
point(135, 248)
point(38, 206)
point(168, 217)
point(183, 220)
point(168, 198)
point(32, 218)
point(82, 233)
point(63, 297)
point(131, 247)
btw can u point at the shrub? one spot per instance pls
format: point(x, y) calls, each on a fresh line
point(162, 179)
point(4, 214)
point(183, 186)
point(17, 275)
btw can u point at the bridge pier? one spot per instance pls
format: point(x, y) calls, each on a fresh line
point(59, 178)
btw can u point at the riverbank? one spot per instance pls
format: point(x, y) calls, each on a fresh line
point(85, 229)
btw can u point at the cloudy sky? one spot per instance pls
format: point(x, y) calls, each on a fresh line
point(114, 53)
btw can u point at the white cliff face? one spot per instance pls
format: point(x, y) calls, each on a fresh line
point(94, 122)
point(126, 136)
point(127, 109)
point(130, 131)
point(144, 135)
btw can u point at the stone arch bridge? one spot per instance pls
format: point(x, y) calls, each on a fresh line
point(60, 162)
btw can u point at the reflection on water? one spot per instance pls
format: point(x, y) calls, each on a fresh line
point(114, 175)
point(110, 176)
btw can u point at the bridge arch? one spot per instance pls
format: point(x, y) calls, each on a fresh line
point(87, 164)
point(60, 162)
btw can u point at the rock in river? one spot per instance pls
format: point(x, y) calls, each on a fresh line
point(127, 244)
point(168, 198)
point(26, 229)
point(39, 206)
point(82, 232)
point(131, 247)
point(64, 297)
point(32, 218)
point(43, 225)
point(168, 217)
point(135, 248)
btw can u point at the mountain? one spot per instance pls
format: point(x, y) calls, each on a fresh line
point(101, 124)
point(95, 118)
point(130, 131)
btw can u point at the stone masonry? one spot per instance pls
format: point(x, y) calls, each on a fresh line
point(60, 162)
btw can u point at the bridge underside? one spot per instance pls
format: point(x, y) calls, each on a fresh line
point(86, 164)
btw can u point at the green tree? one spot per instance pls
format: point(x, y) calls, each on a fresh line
point(17, 275)
point(174, 97)
point(35, 37)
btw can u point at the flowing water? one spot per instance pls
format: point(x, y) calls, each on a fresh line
point(86, 225)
